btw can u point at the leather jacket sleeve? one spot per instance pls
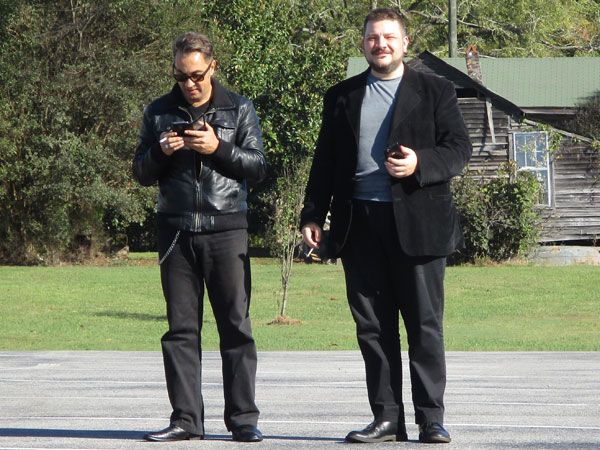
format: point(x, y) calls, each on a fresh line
point(244, 158)
point(149, 160)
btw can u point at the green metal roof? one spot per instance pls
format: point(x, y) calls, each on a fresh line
point(529, 82)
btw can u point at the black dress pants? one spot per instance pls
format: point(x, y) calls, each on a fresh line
point(382, 282)
point(220, 261)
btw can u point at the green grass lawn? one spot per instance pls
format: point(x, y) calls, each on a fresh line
point(120, 307)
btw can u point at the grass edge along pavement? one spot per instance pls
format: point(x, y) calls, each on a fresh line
point(120, 307)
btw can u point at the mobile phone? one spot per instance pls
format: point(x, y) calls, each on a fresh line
point(394, 151)
point(199, 124)
point(180, 127)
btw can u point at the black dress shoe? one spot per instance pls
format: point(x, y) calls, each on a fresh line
point(376, 431)
point(172, 433)
point(246, 433)
point(433, 433)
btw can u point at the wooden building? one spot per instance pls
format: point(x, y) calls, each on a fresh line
point(525, 127)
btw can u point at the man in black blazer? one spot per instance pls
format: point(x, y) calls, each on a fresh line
point(391, 139)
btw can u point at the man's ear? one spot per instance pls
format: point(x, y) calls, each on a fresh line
point(405, 42)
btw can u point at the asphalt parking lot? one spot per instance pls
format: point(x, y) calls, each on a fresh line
point(308, 400)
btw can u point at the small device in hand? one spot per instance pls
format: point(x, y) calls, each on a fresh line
point(394, 151)
point(180, 127)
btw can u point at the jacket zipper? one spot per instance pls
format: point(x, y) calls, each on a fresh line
point(197, 186)
point(198, 189)
point(198, 178)
point(198, 175)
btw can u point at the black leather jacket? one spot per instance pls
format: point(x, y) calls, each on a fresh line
point(201, 193)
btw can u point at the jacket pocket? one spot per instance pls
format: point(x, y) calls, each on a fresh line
point(224, 129)
point(439, 192)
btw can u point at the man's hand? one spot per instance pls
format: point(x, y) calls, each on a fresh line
point(311, 233)
point(170, 142)
point(203, 141)
point(402, 167)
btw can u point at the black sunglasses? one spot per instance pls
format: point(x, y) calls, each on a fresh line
point(196, 78)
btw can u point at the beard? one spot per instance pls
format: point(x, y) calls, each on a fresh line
point(385, 68)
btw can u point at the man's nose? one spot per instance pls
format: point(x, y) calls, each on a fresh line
point(380, 42)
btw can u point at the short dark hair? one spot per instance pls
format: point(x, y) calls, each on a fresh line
point(193, 41)
point(385, 14)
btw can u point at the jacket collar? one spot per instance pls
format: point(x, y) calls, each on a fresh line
point(220, 97)
point(354, 96)
point(408, 98)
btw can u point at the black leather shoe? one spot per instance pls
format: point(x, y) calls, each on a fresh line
point(246, 433)
point(433, 433)
point(376, 431)
point(172, 433)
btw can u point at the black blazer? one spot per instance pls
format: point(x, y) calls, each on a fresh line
point(427, 119)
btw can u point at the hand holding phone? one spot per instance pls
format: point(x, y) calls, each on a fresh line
point(400, 161)
point(180, 127)
point(394, 151)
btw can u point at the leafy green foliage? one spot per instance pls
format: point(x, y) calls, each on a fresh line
point(587, 120)
point(497, 215)
point(283, 57)
point(515, 28)
point(283, 236)
point(70, 102)
point(75, 75)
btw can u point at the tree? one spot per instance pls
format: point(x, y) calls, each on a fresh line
point(516, 28)
point(284, 236)
point(587, 120)
point(74, 77)
point(498, 215)
point(284, 58)
point(67, 112)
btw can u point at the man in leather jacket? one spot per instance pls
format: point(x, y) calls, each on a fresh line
point(202, 234)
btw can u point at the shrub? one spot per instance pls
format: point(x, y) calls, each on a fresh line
point(497, 215)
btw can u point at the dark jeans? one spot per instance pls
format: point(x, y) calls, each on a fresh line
point(382, 282)
point(219, 261)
